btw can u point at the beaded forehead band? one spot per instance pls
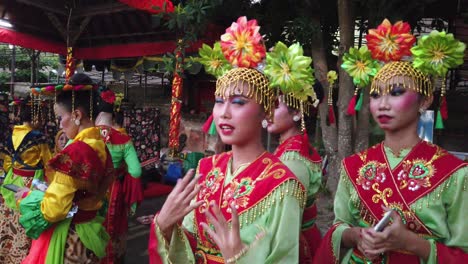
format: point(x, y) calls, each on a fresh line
point(394, 73)
point(249, 82)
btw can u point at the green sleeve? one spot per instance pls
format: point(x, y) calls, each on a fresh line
point(276, 240)
point(346, 214)
point(179, 250)
point(31, 216)
point(309, 173)
point(132, 161)
point(451, 219)
point(9, 196)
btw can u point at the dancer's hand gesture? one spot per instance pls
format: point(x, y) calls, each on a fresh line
point(177, 205)
point(227, 239)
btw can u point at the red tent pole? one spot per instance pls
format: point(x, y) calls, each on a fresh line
point(176, 102)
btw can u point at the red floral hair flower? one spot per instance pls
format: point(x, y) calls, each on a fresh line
point(242, 43)
point(108, 96)
point(390, 42)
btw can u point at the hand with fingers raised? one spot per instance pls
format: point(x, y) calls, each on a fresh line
point(177, 204)
point(226, 238)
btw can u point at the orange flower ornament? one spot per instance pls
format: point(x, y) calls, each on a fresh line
point(242, 43)
point(390, 42)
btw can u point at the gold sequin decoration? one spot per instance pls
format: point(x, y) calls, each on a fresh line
point(394, 73)
point(257, 87)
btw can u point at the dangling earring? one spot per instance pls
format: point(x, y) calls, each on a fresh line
point(421, 111)
point(296, 118)
point(77, 122)
point(264, 123)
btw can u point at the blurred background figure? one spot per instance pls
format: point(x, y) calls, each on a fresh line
point(25, 155)
point(61, 141)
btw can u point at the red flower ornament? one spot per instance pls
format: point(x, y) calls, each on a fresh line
point(390, 42)
point(242, 44)
point(108, 96)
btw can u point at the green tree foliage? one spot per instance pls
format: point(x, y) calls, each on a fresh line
point(47, 61)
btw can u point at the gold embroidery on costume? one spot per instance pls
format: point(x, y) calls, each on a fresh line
point(210, 185)
point(418, 173)
point(381, 195)
point(270, 170)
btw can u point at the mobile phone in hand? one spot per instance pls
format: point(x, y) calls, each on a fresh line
point(11, 187)
point(383, 222)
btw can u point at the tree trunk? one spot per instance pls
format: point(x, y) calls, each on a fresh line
point(33, 71)
point(33, 56)
point(346, 88)
point(329, 133)
point(363, 131)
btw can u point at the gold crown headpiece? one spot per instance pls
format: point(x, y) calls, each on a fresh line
point(257, 85)
point(397, 73)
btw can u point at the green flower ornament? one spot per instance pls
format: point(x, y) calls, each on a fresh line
point(437, 52)
point(291, 71)
point(213, 59)
point(358, 63)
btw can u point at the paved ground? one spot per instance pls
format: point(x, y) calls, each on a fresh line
point(138, 234)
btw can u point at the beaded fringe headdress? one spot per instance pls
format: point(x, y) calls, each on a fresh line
point(256, 83)
point(394, 73)
point(389, 44)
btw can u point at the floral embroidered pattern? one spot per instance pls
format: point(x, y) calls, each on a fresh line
point(417, 173)
point(370, 173)
point(210, 185)
point(238, 192)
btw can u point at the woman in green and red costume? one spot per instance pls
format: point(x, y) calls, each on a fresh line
point(295, 151)
point(25, 154)
point(63, 220)
point(422, 184)
point(244, 206)
point(125, 191)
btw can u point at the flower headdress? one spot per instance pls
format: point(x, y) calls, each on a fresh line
point(233, 62)
point(433, 56)
point(106, 100)
point(291, 72)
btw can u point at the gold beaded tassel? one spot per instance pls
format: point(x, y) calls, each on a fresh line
point(303, 126)
point(38, 112)
point(73, 100)
point(50, 111)
point(331, 112)
point(442, 113)
point(91, 104)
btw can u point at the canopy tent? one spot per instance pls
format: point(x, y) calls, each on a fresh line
point(96, 29)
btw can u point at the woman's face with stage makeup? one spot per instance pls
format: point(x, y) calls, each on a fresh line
point(283, 118)
point(62, 141)
point(397, 109)
point(237, 117)
point(66, 119)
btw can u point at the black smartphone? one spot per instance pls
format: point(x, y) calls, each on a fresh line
point(11, 187)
